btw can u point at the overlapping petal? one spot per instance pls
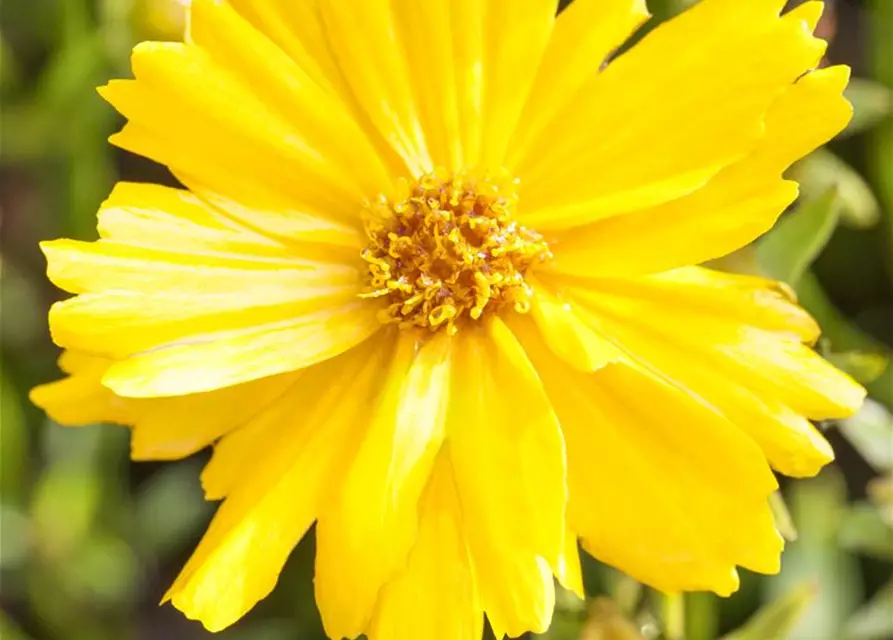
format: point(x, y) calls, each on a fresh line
point(509, 461)
point(234, 117)
point(367, 530)
point(444, 81)
point(740, 203)
point(586, 33)
point(685, 471)
point(622, 144)
point(269, 506)
point(162, 428)
point(178, 315)
point(438, 564)
point(736, 341)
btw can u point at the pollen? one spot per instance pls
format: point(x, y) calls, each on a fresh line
point(448, 251)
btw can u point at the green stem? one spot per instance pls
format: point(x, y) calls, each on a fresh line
point(701, 619)
point(673, 615)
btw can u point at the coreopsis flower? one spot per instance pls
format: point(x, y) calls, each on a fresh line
point(431, 285)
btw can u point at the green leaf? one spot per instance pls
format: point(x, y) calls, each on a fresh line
point(874, 621)
point(14, 438)
point(103, 569)
point(66, 504)
point(783, 521)
point(864, 531)
point(9, 630)
point(788, 250)
point(15, 536)
point(880, 494)
point(864, 367)
point(822, 170)
point(879, 145)
point(870, 431)
point(775, 621)
point(744, 261)
point(872, 103)
point(842, 334)
point(817, 506)
point(170, 508)
point(10, 72)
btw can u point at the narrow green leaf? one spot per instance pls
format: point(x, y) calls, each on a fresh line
point(783, 521)
point(775, 621)
point(743, 261)
point(788, 250)
point(822, 170)
point(871, 432)
point(842, 334)
point(874, 621)
point(14, 438)
point(864, 367)
point(872, 103)
point(9, 630)
point(863, 530)
point(879, 145)
point(15, 537)
point(817, 506)
point(880, 493)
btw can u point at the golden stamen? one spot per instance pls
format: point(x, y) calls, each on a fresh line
point(449, 251)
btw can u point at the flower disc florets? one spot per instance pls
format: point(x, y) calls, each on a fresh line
point(448, 250)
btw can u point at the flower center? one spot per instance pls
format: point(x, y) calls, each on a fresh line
point(449, 251)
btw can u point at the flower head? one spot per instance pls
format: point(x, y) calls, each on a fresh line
point(430, 285)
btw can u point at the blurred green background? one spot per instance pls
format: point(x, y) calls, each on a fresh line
point(90, 541)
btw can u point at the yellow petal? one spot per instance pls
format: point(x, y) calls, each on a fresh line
point(433, 79)
point(297, 28)
point(107, 265)
point(227, 358)
point(579, 343)
point(150, 215)
point(435, 596)
point(712, 104)
point(748, 344)
point(232, 114)
point(322, 121)
point(80, 399)
point(509, 461)
point(162, 428)
point(585, 34)
point(694, 498)
point(173, 428)
point(271, 209)
point(364, 38)
point(366, 533)
point(434, 72)
point(569, 571)
point(135, 298)
point(735, 341)
point(515, 36)
point(279, 491)
point(739, 204)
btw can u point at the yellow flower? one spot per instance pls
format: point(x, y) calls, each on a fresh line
point(430, 285)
